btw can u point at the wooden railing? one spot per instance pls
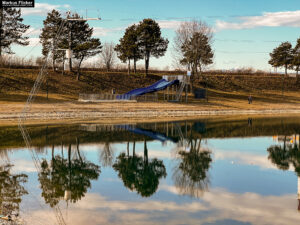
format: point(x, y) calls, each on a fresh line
point(117, 97)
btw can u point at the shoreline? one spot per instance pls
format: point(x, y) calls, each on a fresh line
point(131, 112)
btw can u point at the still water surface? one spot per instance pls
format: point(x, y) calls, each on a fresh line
point(209, 172)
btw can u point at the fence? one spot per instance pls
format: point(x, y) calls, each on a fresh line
point(116, 97)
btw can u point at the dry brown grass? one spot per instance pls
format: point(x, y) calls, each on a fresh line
point(228, 93)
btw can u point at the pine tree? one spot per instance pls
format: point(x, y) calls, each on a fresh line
point(150, 41)
point(296, 59)
point(78, 32)
point(88, 48)
point(282, 56)
point(128, 48)
point(11, 30)
point(49, 38)
point(75, 35)
point(81, 42)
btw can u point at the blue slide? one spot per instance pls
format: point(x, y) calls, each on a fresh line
point(157, 86)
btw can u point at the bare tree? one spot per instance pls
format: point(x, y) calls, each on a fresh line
point(107, 155)
point(108, 55)
point(184, 33)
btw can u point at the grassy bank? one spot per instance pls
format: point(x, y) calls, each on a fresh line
point(227, 94)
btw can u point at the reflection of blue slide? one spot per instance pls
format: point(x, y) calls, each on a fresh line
point(152, 134)
point(157, 86)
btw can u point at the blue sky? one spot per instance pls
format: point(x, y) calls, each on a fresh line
point(245, 31)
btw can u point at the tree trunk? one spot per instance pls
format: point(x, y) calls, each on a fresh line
point(200, 70)
point(69, 155)
point(128, 66)
point(133, 148)
point(128, 149)
point(286, 70)
point(145, 153)
point(78, 152)
point(52, 152)
point(297, 75)
point(78, 69)
point(134, 65)
point(147, 58)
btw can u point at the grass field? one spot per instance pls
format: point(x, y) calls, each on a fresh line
point(225, 92)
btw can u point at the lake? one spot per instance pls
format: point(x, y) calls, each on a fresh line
point(220, 171)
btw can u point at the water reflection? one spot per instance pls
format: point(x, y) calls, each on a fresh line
point(140, 173)
point(106, 156)
point(11, 193)
point(191, 175)
point(67, 179)
point(174, 172)
point(286, 155)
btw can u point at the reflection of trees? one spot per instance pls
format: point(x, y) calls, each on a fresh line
point(285, 155)
point(190, 176)
point(280, 155)
point(140, 173)
point(69, 178)
point(11, 190)
point(107, 155)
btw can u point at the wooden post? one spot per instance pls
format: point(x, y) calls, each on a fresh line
point(186, 97)
point(173, 93)
point(185, 129)
point(168, 93)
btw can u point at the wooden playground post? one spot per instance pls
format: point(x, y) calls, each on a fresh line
point(186, 93)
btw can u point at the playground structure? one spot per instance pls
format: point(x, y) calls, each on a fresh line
point(177, 84)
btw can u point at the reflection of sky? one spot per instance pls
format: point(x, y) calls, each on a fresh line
point(245, 188)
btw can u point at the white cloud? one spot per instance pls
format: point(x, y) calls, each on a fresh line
point(101, 31)
point(41, 9)
point(34, 41)
point(169, 24)
point(23, 166)
point(216, 205)
point(32, 32)
point(267, 19)
point(164, 24)
point(244, 158)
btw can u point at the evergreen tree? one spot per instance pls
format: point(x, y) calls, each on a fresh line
point(282, 56)
point(150, 42)
point(128, 48)
point(296, 59)
point(197, 52)
point(78, 32)
point(89, 48)
point(75, 35)
point(49, 38)
point(11, 29)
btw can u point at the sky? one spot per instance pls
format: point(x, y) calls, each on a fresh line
point(245, 32)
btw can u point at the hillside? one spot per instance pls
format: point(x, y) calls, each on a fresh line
point(16, 83)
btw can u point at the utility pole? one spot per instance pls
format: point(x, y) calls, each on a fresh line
point(70, 46)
